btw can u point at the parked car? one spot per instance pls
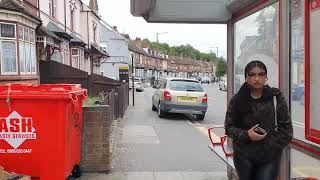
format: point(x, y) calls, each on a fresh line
point(205, 80)
point(298, 93)
point(223, 85)
point(177, 95)
point(138, 85)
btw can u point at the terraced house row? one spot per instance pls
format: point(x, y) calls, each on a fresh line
point(152, 63)
point(37, 37)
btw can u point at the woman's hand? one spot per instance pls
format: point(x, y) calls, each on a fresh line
point(255, 136)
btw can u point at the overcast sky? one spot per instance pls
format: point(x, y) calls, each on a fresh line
point(201, 36)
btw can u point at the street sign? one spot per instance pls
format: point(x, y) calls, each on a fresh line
point(124, 73)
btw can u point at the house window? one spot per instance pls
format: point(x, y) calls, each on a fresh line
point(27, 51)
point(72, 19)
point(94, 33)
point(8, 49)
point(75, 58)
point(56, 56)
point(65, 53)
point(82, 60)
point(7, 31)
point(52, 8)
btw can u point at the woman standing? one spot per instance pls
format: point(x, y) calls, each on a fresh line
point(258, 137)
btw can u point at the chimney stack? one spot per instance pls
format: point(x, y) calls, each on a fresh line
point(115, 28)
point(137, 42)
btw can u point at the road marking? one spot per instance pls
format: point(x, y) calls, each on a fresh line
point(204, 130)
point(211, 98)
point(297, 122)
point(297, 125)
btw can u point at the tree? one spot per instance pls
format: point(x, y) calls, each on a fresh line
point(221, 68)
point(145, 43)
point(163, 47)
point(262, 23)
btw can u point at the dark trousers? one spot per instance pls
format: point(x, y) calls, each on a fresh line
point(248, 170)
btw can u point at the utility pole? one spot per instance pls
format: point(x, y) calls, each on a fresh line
point(217, 52)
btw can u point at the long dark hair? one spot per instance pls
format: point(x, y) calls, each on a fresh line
point(253, 64)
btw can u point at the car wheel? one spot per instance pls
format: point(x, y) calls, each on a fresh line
point(76, 171)
point(161, 114)
point(200, 117)
point(153, 107)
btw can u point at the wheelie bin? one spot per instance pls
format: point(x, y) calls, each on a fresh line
point(40, 129)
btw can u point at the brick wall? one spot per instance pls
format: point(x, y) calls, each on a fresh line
point(95, 154)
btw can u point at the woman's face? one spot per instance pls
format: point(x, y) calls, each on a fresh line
point(256, 78)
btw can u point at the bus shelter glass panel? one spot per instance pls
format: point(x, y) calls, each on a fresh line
point(313, 105)
point(303, 165)
point(257, 38)
point(297, 57)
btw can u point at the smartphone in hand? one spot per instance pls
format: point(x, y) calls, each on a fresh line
point(259, 130)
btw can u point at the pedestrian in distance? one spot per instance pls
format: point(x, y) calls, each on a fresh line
point(259, 123)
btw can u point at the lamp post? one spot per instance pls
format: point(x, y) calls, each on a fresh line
point(158, 35)
point(132, 57)
point(158, 42)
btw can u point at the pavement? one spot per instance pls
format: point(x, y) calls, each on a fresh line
point(176, 175)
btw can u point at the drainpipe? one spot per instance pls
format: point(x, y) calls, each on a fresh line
point(91, 64)
point(39, 8)
point(88, 28)
point(65, 15)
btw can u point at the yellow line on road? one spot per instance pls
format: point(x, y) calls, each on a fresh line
point(204, 130)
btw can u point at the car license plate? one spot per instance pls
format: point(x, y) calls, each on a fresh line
point(187, 99)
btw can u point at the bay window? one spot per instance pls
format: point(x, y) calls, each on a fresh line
point(17, 50)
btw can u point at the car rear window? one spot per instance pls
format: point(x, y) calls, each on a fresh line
point(183, 85)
